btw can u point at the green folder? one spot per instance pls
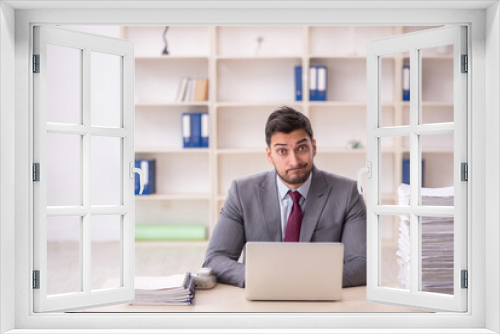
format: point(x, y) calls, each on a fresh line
point(170, 232)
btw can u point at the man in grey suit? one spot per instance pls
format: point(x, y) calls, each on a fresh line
point(263, 207)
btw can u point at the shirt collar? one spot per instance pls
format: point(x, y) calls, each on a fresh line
point(303, 189)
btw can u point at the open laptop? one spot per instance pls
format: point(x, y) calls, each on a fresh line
point(293, 271)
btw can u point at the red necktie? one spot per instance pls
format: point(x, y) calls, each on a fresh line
point(292, 231)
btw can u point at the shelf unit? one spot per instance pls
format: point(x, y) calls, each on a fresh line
point(251, 72)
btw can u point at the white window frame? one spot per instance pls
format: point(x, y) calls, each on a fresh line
point(483, 103)
point(414, 44)
point(124, 51)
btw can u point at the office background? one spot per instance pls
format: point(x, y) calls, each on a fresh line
point(250, 71)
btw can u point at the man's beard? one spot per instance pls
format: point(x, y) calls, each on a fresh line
point(298, 179)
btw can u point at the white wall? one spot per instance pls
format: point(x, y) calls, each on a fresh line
point(7, 170)
point(64, 155)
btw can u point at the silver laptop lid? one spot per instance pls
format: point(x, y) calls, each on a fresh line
point(293, 271)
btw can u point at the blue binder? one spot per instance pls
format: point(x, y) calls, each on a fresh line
point(186, 130)
point(406, 82)
point(195, 129)
point(322, 83)
point(313, 83)
point(204, 129)
point(298, 83)
point(149, 169)
point(406, 171)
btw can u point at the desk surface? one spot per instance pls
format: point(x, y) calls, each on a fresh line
point(226, 298)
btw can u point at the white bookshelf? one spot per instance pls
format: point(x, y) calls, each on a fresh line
point(246, 83)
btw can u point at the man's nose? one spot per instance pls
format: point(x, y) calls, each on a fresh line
point(293, 159)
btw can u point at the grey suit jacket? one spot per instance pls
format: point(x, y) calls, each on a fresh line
point(333, 212)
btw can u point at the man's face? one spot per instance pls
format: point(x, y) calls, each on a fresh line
point(292, 155)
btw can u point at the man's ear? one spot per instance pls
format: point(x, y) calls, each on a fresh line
point(268, 152)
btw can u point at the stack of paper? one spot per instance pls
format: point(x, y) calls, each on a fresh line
point(164, 290)
point(437, 242)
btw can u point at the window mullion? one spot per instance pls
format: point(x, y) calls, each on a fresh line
point(415, 88)
point(86, 238)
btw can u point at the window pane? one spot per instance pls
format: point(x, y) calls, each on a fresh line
point(437, 84)
point(105, 171)
point(437, 74)
point(105, 89)
point(438, 169)
point(64, 90)
point(63, 255)
point(105, 234)
point(393, 170)
point(387, 89)
point(437, 254)
point(395, 256)
point(63, 169)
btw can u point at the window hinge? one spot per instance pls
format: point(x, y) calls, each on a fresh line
point(465, 171)
point(465, 64)
point(36, 279)
point(36, 63)
point(465, 279)
point(36, 172)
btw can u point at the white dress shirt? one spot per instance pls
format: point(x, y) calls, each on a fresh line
point(286, 201)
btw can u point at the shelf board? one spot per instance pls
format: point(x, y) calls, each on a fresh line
point(443, 57)
point(229, 151)
point(431, 104)
point(345, 57)
point(160, 197)
point(171, 104)
point(358, 104)
point(257, 104)
point(341, 150)
point(166, 58)
point(344, 104)
point(160, 244)
point(268, 57)
point(432, 150)
point(172, 150)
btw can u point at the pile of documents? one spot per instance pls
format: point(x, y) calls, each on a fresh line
point(437, 242)
point(164, 290)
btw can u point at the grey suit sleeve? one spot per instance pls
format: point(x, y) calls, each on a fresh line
point(227, 241)
point(354, 240)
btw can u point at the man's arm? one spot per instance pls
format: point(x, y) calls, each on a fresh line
point(354, 240)
point(227, 241)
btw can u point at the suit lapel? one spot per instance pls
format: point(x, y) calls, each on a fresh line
point(269, 205)
point(316, 199)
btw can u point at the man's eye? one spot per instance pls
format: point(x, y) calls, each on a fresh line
point(281, 152)
point(302, 147)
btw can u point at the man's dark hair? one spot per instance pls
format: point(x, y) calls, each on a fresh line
point(286, 120)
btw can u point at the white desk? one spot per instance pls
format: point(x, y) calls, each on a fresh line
point(226, 298)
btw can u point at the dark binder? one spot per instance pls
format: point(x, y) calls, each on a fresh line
point(204, 129)
point(322, 83)
point(149, 169)
point(313, 83)
point(406, 83)
point(195, 129)
point(186, 130)
point(406, 171)
point(298, 83)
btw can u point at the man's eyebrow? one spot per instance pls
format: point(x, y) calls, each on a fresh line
point(297, 143)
